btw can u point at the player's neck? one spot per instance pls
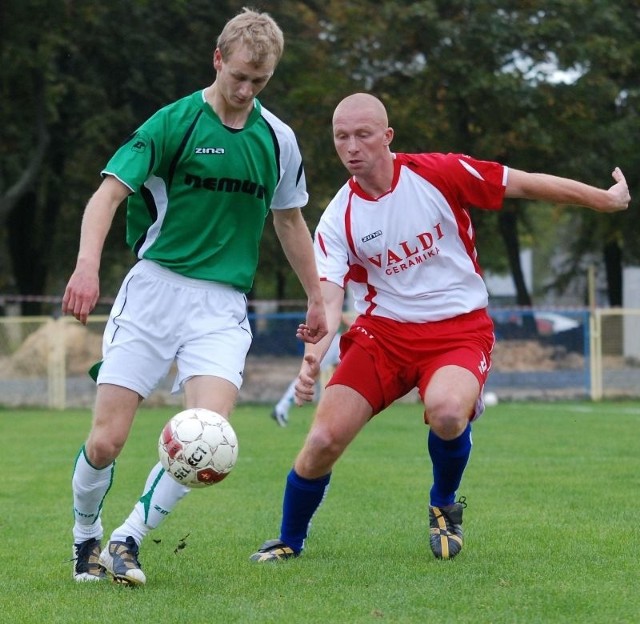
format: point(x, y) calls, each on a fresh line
point(230, 116)
point(378, 182)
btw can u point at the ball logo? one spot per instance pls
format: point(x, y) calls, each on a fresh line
point(172, 446)
point(196, 456)
point(209, 476)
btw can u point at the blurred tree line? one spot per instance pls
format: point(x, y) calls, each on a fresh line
point(548, 86)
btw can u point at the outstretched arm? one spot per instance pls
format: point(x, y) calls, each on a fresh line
point(83, 288)
point(554, 189)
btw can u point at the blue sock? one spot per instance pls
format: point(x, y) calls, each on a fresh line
point(302, 497)
point(449, 459)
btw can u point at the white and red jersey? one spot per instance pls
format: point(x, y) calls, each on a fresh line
point(410, 254)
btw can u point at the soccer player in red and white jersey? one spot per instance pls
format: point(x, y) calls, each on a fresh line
point(399, 233)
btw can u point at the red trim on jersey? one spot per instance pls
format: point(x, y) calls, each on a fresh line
point(321, 244)
point(357, 272)
point(360, 192)
point(448, 172)
point(467, 234)
point(347, 227)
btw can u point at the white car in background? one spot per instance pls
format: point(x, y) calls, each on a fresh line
point(549, 323)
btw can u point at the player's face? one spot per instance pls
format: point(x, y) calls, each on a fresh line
point(361, 140)
point(239, 80)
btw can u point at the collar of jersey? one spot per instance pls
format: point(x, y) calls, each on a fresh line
point(360, 192)
point(254, 115)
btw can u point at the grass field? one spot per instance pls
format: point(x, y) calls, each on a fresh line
point(551, 527)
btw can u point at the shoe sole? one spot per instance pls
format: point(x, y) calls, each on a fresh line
point(85, 577)
point(272, 552)
point(269, 558)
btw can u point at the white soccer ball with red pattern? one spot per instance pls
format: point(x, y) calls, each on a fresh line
point(198, 447)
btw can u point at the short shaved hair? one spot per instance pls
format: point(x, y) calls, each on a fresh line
point(364, 102)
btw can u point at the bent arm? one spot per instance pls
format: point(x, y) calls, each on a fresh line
point(83, 288)
point(295, 238)
point(333, 296)
point(554, 189)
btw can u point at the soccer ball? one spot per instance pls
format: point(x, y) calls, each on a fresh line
point(490, 399)
point(198, 447)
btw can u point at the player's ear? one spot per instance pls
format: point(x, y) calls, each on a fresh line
point(388, 136)
point(217, 59)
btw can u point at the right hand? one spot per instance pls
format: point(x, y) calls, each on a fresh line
point(81, 294)
point(306, 385)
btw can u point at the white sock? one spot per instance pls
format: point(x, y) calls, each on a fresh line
point(161, 494)
point(288, 397)
point(90, 486)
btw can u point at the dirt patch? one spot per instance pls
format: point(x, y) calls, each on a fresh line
point(530, 355)
point(80, 347)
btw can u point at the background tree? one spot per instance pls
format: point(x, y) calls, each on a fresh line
point(483, 78)
point(100, 69)
point(480, 77)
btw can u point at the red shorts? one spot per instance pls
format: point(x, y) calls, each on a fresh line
point(383, 359)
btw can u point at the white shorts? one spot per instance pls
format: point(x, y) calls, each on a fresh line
point(160, 317)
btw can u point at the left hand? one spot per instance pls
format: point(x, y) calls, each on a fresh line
point(306, 384)
point(315, 329)
point(619, 191)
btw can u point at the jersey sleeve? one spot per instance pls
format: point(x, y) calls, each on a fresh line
point(291, 190)
point(330, 244)
point(133, 161)
point(467, 180)
point(143, 154)
point(482, 183)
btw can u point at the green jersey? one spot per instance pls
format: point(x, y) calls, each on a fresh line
point(201, 191)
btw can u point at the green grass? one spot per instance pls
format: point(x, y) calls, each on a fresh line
point(551, 527)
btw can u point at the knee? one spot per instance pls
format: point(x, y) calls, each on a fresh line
point(448, 417)
point(322, 442)
point(320, 451)
point(102, 450)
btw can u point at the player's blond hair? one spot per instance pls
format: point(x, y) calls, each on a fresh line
point(257, 31)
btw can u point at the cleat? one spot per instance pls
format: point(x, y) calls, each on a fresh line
point(87, 567)
point(274, 550)
point(445, 529)
point(120, 559)
point(280, 416)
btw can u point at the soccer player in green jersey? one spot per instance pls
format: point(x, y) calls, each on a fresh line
point(200, 177)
